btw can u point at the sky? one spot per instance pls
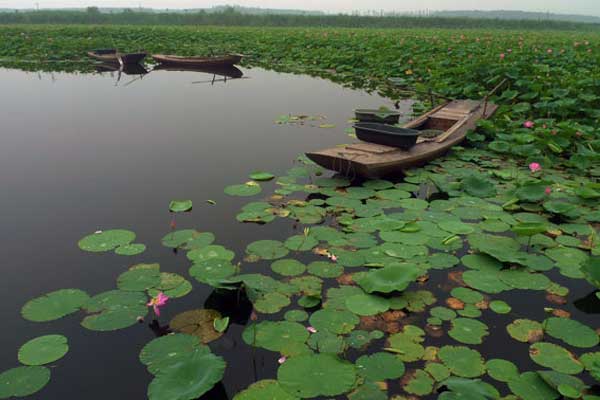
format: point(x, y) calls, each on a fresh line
point(586, 7)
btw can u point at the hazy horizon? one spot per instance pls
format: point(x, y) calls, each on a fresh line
point(583, 7)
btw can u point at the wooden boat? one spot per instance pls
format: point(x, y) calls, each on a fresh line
point(218, 61)
point(372, 160)
point(386, 135)
point(127, 69)
point(113, 56)
point(381, 116)
point(230, 72)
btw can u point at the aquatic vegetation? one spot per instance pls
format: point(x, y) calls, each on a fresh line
point(158, 301)
point(43, 350)
point(23, 381)
point(178, 206)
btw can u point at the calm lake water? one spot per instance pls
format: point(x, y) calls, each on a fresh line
point(87, 152)
point(82, 152)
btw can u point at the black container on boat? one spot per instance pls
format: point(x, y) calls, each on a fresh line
point(380, 116)
point(386, 135)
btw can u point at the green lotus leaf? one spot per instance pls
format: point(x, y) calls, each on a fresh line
point(165, 351)
point(115, 316)
point(555, 357)
point(309, 376)
point(307, 285)
point(366, 304)
point(54, 305)
point(377, 184)
point(178, 206)
point(389, 279)
point(529, 228)
point(275, 336)
point(521, 279)
point(210, 252)
point(502, 370)
point(212, 270)
point(244, 190)
point(221, 324)
point(591, 270)
point(481, 262)
point(359, 193)
point(470, 311)
point(456, 227)
point(571, 332)
point(413, 239)
point(417, 301)
point(561, 208)
point(525, 330)
point(327, 342)
point(438, 371)
point(288, 267)
point(131, 249)
point(106, 240)
point(532, 192)
point(500, 307)
point(179, 291)
point(338, 322)
point(368, 391)
point(380, 366)
point(177, 239)
point(264, 389)
point(443, 313)
point(462, 361)
point(271, 303)
point(138, 279)
point(199, 322)
point(23, 381)
point(296, 316)
point(406, 344)
point(261, 176)
point(460, 388)
point(531, 386)
point(325, 269)
point(115, 299)
point(571, 385)
point(468, 331)
point(343, 202)
point(267, 249)
point(393, 194)
point(419, 383)
point(485, 281)
point(301, 243)
point(336, 297)
point(442, 261)
point(478, 186)
point(43, 350)
point(358, 338)
point(189, 378)
point(467, 295)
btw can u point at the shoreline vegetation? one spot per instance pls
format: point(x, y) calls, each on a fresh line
point(233, 17)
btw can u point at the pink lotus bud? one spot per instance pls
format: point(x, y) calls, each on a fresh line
point(528, 124)
point(311, 329)
point(535, 167)
point(548, 191)
point(282, 359)
point(502, 56)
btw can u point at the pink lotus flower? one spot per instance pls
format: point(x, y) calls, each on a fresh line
point(535, 167)
point(528, 124)
point(502, 56)
point(156, 302)
point(311, 329)
point(332, 257)
point(282, 359)
point(548, 191)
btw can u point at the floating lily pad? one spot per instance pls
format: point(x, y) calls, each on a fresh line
point(380, 366)
point(106, 240)
point(262, 390)
point(419, 383)
point(244, 190)
point(468, 331)
point(132, 249)
point(478, 186)
point(23, 381)
point(178, 206)
point(456, 227)
point(460, 388)
point(555, 357)
point(467, 295)
point(177, 239)
point(567, 385)
point(296, 316)
point(389, 279)
point(275, 336)
point(197, 323)
point(267, 249)
point(165, 351)
point(212, 270)
point(571, 332)
point(525, 330)
point(54, 305)
point(339, 322)
point(315, 375)
point(271, 303)
point(221, 324)
point(189, 378)
point(500, 307)
point(261, 176)
point(301, 243)
point(43, 350)
point(366, 304)
point(502, 370)
point(462, 361)
point(485, 281)
point(288, 267)
point(138, 279)
point(325, 269)
point(407, 344)
point(531, 386)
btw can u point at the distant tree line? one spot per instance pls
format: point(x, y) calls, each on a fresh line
point(230, 16)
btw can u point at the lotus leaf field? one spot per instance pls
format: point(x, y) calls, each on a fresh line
point(391, 288)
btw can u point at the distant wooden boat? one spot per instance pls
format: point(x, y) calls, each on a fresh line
point(372, 160)
point(113, 56)
point(227, 71)
point(127, 69)
point(217, 61)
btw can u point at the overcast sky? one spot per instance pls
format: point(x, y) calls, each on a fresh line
point(587, 7)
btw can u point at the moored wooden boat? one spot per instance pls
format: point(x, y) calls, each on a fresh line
point(227, 71)
point(217, 61)
point(372, 160)
point(113, 56)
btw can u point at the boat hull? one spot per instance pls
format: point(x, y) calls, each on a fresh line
point(371, 160)
point(206, 62)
